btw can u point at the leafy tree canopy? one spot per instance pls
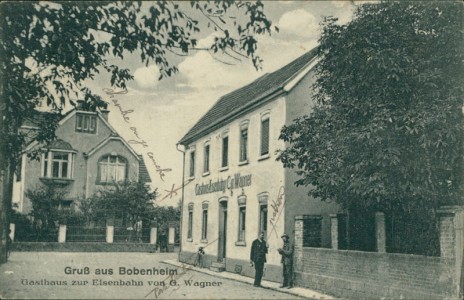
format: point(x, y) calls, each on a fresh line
point(130, 201)
point(48, 49)
point(46, 206)
point(386, 129)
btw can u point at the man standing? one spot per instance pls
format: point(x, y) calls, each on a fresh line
point(287, 261)
point(258, 257)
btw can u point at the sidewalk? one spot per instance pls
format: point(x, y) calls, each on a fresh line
point(297, 291)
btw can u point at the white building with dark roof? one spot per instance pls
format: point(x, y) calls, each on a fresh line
point(237, 187)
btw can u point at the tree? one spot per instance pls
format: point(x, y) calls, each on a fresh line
point(165, 214)
point(128, 202)
point(48, 50)
point(386, 129)
point(46, 212)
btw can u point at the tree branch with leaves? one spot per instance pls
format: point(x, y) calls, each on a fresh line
point(386, 132)
point(48, 49)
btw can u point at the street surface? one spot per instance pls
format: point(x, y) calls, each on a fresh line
point(69, 275)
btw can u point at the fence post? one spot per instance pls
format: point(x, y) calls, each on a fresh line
point(451, 219)
point(334, 230)
point(153, 235)
point(298, 250)
point(109, 231)
point(62, 233)
point(171, 236)
point(380, 233)
point(12, 231)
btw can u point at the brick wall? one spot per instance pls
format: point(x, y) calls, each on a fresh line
point(447, 235)
point(357, 274)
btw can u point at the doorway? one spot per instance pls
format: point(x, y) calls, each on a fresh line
point(222, 239)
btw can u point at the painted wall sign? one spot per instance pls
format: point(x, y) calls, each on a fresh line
point(220, 185)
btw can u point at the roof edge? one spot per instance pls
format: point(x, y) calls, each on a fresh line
point(234, 114)
point(285, 87)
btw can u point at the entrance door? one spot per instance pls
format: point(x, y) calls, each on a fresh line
point(222, 231)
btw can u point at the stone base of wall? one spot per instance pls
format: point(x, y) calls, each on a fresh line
point(82, 247)
point(367, 275)
point(239, 266)
point(353, 289)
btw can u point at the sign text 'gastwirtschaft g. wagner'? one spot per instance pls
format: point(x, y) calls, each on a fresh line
point(232, 182)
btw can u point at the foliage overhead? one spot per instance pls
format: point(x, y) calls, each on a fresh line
point(48, 49)
point(386, 129)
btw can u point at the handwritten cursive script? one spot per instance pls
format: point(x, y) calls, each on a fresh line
point(276, 206)
point(174, 190)
point(125, 113)
point(171, 281)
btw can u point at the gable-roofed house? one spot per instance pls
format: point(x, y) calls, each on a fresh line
point(238, 188)
point(87, 154)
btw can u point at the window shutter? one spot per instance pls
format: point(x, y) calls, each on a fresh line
point(192, 163)
point(225, 151)
point(265, 137)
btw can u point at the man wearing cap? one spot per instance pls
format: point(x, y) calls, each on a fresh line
point(258, 257)
point(287, 261)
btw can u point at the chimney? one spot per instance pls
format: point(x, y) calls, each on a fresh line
point(80, 105)
point(105, 113)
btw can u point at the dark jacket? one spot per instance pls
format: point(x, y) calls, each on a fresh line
point(258, 251)
point(287, 254)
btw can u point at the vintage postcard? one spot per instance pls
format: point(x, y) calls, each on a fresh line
point(231, 150)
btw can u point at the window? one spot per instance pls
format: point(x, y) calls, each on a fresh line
point(204, 224)
point(192, 164)
point(86, 123)
point(262, 200)
point(57, 164)
point(241, 223)
point(225, 151)
point(263, 219)
point(312, 231)
point(243, 144)
point(241, 220)
point(112, 169)
point(206, 159)
point(190, 221)
point(265, 135)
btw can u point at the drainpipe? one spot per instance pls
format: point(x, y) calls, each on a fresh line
point(181, 200)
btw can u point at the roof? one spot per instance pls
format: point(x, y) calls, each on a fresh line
point(59, 144)
point(252, 93)
point(39, 117)
point(144, 176)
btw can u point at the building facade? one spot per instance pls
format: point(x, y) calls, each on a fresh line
point(237, 189)
point(87, 155)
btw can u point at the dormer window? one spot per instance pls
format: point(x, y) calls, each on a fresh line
point(86, 123)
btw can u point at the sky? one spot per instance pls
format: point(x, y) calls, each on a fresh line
point(161, 112)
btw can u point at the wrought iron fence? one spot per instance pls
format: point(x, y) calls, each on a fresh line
point(131, 235)
point(36, 235)
point(85, 234)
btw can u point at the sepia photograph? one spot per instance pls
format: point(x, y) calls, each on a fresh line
point(222, 149)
